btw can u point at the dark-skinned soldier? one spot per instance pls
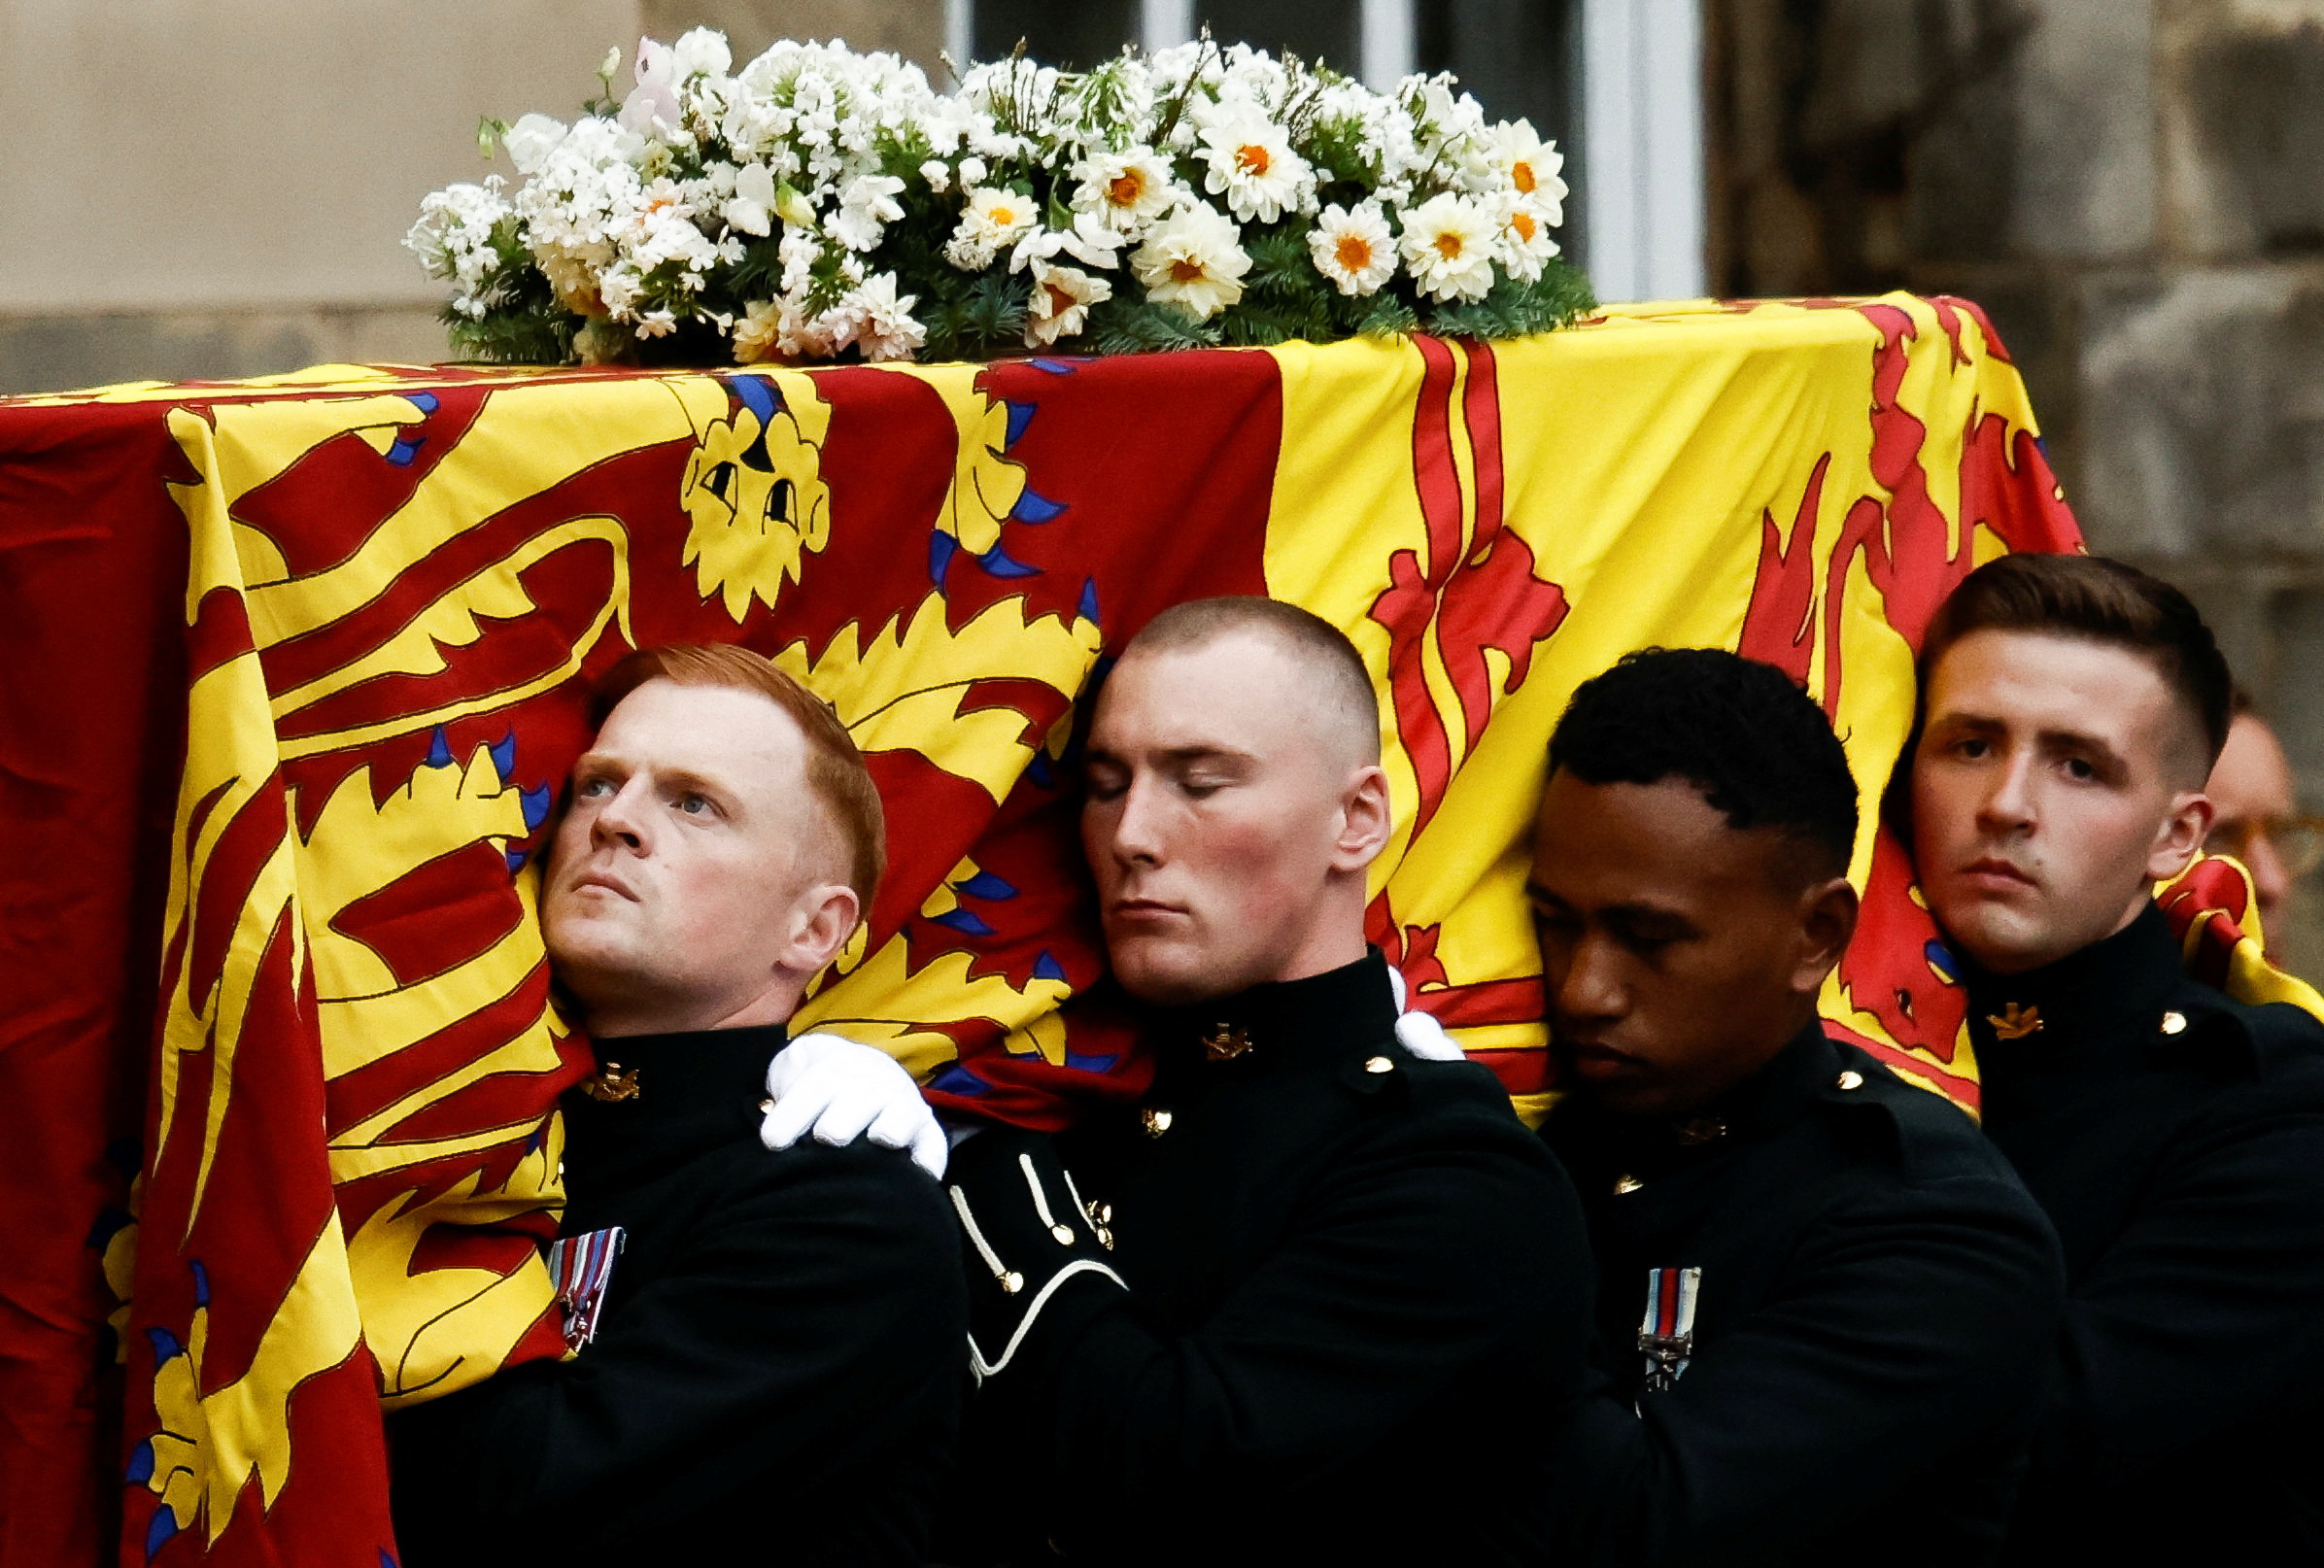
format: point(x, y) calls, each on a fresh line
point(1823, 1300)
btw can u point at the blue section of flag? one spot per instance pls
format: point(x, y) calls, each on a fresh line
point(1089, 1064)
point(405, 449)
point(962, 921)
point(1035, 508)
point(426, 402)
point(141, 1463)
point(165, 1526)
point(1089, 600)
point(959, 1080)
point(758, 396)
point(1021, 415)
point(985, 885)
point(1000, 564)
point(504, 756)
point(201, 1284)
point(1047, 968)
point(1055, 367)
point(165, 1347)
point(535, 804)
point(516, 860)
point(1040, 772)
point(942, 548)
point(1942, 961)
point(439, 749)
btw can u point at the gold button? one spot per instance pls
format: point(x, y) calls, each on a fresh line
point(1064, 1234)
point(766, 1105)
point(561, 1171)
point(1700, 1131)
point(1104, 1237)
point(1624, 1186)
point(1379, 1063)
point(1011, 1283)
point(2175, 1023)
point(1851, 1079)
point(1101, 1212)
point(1155, 1120)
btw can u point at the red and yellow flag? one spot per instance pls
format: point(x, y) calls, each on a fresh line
point(398, 582)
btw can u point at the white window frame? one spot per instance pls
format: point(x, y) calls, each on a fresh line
point(1642, 125)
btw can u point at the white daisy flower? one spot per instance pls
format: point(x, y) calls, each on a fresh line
point(1526, 243)
point(1126, 189)
point(1532, 168)
point(938, 174)
point(1354, 249)
point(1448, 246)
point(1252, 165)
point(1060, 303)
point(1193, 259)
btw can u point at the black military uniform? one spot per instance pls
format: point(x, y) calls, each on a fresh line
point(777, 1364)
point(2176, 1139)
point(1315, 1300)
point(1873, 1300)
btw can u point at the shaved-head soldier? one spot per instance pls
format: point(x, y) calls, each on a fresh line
point(1310, 1298)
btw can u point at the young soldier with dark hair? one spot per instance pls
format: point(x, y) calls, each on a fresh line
point(1314, 1298)
point(777, 1357)
point(2070, 709)
point(1823, 1300)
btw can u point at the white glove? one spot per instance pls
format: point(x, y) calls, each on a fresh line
point(1418, 1031)
point(845, 1091)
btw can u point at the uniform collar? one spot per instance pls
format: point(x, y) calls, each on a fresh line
point(1772, 1098)
point(2116, 988)
point(692, 1090)
point(1284, 1023)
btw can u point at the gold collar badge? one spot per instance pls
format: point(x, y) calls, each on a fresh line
point(2014, 1022)
point(1225, 1042)
point(611, 1085)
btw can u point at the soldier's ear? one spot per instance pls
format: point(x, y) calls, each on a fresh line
point(1827, 912)
point(1366, 818)
point(2182, 834)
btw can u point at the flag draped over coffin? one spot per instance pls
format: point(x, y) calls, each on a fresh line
point(400, 582)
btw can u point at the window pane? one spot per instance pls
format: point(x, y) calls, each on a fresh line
point(1325, 30)
point(1522, 60)
point(1074, 36)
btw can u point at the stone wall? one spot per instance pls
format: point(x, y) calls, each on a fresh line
point(2135, 189)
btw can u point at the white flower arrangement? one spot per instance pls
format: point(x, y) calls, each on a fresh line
point(821, 204)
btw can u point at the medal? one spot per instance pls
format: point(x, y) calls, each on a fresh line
point(1666, 1335)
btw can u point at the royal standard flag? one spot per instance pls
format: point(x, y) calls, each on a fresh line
point(398, 582)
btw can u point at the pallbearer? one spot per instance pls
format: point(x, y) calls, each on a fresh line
point(1823, 1301)
point(768, 1341)
point(2070, 710)
point(1313, 1298)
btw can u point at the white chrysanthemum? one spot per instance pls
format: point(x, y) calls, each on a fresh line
point(1526, 243)
point(1448, 246)
point(1193, 259)
point(1252, 165)
point(1126, 189)
point(937, 174)
point(879, 324)
point(1060, 303)
point(866, 206)
point(1353, 248)
point(1531, 166)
